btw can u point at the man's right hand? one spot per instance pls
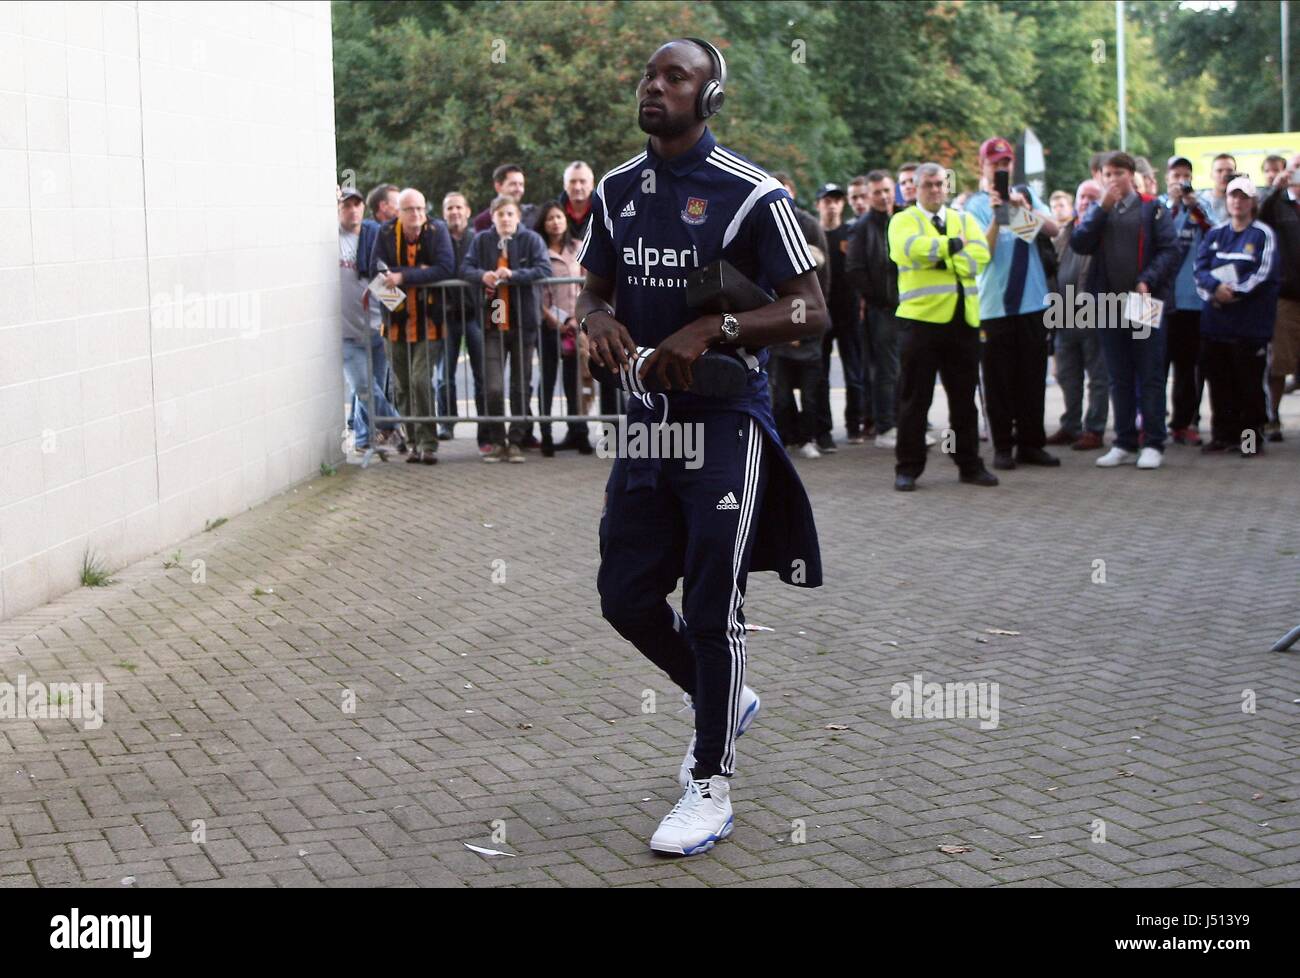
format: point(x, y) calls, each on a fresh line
point(1111, 197)
point(490, 279)
point(610, 342)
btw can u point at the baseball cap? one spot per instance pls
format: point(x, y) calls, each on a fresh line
point(1244, 184)
point(1179, 161)
point(351, 192)
point(995, 149)
point(830, 190)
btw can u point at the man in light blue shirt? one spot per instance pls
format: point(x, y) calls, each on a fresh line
point(1215, 202)
point(1013, 298)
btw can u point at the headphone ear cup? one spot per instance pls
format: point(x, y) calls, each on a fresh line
point(709, 100)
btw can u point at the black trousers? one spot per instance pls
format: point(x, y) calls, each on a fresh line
point(1015, 380)
point(796, 424)
point(1182, 353)
point(553, 362)
point(1235, 371)
point(696, 524)
point(846, 332)
point(952, 350)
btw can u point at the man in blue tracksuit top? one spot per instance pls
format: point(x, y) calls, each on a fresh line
point(682, 204)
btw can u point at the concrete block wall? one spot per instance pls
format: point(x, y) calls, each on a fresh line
point(169, 347)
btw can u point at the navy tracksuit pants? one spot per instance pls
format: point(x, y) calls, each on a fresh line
point(697, 524)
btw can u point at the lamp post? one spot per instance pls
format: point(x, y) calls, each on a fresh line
point(1119, 57)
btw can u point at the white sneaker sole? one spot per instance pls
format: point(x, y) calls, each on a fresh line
point(699, 848)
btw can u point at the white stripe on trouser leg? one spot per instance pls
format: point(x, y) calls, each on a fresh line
point(735, 630)
point(1270, 416)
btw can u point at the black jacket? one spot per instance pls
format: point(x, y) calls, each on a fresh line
point(868, 267)
point(815, 236)
point(528, 261)
point(809, 350)
point(1158, 251)
point(455, 306)
point(434, 262)
point(1282, 214)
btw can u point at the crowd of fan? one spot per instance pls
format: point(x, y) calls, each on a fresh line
point(1236, 330)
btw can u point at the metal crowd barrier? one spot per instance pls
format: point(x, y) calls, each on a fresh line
point(462, 314)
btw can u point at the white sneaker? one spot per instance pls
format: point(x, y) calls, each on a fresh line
point(887, 439)
point(1117, 456)
point(1150, 458)
point(701, 819)
point(750, 704)
point(809, 450)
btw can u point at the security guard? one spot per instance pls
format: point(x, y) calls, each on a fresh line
point(682, 204)
point(939, 253)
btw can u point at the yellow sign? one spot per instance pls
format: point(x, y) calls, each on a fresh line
point(1249, 150)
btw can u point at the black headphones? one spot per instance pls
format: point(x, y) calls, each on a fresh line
point(712, 93)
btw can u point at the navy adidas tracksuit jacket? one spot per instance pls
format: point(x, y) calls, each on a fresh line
point(1253, 253)
point(653, 222)
point(1235, 335)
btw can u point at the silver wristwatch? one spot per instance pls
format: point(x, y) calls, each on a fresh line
point(730, 327)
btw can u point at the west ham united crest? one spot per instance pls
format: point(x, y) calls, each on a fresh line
point(695, 208)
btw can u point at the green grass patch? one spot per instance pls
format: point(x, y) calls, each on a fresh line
point(93, 571)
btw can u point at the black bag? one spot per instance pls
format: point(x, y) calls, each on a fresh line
point(720, 288)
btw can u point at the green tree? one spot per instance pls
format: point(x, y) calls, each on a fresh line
point(778, 113)
point(1233, 55)
point(929, 79)
point(437, 99)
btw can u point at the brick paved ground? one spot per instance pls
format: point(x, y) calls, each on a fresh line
point(479, 701)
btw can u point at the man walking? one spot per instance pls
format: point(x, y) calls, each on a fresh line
point(743, 506)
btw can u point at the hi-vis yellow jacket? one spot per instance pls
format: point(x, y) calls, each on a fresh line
point(927, 274)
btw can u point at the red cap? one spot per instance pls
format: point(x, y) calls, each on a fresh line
point(996, 149)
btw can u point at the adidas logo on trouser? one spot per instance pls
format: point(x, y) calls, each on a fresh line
point(728, 502)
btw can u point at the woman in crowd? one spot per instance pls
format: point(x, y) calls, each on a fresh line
point(559, 338)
